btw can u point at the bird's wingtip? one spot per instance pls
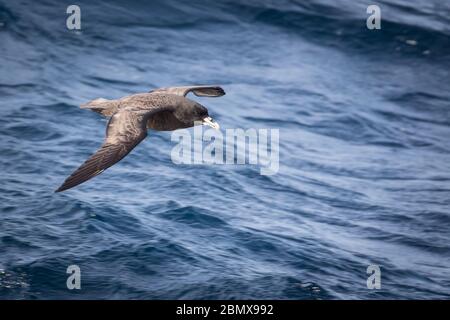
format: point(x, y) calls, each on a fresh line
point(220, 90)
point(60, 189)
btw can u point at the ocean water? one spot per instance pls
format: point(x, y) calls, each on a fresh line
point(364, 177)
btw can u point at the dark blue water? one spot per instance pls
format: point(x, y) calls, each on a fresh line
point(364, 120)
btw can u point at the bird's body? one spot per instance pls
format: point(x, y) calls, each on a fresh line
point(161, 109)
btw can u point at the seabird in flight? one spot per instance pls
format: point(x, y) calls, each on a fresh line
point(162, 109)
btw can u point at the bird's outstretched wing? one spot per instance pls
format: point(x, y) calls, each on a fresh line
point(200, 91)
point(126, 129)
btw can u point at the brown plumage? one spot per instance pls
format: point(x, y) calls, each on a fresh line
point(161, 109)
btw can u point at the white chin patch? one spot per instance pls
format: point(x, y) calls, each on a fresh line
point(208, 121)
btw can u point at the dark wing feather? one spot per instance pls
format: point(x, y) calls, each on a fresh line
point(200, 91)
point(206, 91)
point(125, 131)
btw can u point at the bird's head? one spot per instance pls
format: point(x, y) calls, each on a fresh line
point(192, 113)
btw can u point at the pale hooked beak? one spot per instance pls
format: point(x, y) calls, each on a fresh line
point(208, 121)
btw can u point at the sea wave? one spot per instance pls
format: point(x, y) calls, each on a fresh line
point(363, 118)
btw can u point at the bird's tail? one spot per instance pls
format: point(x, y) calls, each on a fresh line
point(103, 106)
